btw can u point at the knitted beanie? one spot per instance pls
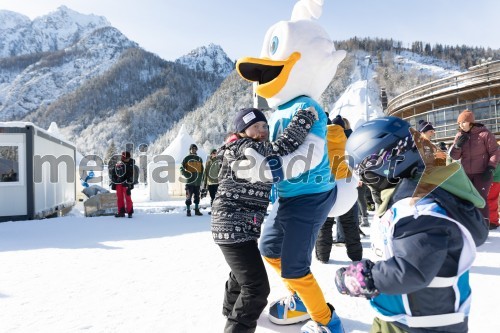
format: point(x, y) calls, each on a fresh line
point(246, 118)
point(424, 126)
point(466, 116)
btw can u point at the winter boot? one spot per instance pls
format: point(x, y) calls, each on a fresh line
point(333, 326)
point(130, 213)
point(197, 210)
point(121, 213)
point(288, 310)
point(188, 212)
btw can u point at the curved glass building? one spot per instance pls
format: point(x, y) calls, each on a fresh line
point(441, 101)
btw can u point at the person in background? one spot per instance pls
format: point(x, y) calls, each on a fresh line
point(211, 175)
point(122, 181)
point(347, 126)
point(409, 292)
point(362, 204)
point(192, 170)
point(493, 199)
point(347, 224)
point(239, 209)
point(475, 146)
point(427, 133)
point(362, 189)
point(426, 129)
point(340, 237)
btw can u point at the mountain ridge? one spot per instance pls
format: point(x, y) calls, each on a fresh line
point(102, 89)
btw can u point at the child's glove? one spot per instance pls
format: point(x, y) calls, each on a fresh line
point(356, 280)
point(462, 139)
point(203, 193)
point(488, 173)
point(129, 192)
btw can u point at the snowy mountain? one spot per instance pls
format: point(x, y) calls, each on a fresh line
point(55, 74)
point(102, 89)
point(52, 32)
point(96, 84)
point(210, 123)
point(211, 58)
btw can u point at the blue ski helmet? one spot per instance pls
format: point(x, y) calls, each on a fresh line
point(382, 151)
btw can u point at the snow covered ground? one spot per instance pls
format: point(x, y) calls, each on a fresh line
point(160, 272)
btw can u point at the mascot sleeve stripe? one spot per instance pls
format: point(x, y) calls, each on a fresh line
point(275, 165)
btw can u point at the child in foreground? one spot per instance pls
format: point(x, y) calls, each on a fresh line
point(429, 226)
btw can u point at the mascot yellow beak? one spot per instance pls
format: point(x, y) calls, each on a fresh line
point(271, 75)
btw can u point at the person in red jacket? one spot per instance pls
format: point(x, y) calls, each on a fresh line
point(475, 146)
point(122, 180)
point(493, 199)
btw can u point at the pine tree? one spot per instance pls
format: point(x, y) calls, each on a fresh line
point(110, 152)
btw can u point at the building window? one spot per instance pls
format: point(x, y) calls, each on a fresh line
point(9, 164)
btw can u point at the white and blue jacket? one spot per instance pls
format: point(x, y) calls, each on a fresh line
point(427, 254)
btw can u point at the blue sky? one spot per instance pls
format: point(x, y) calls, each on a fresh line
point(172, 28)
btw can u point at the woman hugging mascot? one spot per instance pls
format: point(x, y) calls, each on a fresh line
point(298, 60)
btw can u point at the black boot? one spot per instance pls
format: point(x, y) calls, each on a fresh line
point(121, 213)
point(197, 212)
point(130, 213)
point(188, 212)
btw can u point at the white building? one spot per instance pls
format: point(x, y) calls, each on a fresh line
point(37, 172)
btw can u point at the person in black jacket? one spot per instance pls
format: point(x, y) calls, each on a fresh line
point(122, 180)
point(426, 230)
point(347, 226)
point(238, 211)
point(192, 170)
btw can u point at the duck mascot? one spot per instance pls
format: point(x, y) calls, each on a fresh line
point(298, 60)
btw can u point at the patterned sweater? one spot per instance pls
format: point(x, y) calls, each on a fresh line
point(239, 206)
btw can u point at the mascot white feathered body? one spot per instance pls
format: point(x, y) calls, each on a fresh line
point(297, 62)
point(298, 59)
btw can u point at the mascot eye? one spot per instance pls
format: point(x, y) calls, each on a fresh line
point(273, 47)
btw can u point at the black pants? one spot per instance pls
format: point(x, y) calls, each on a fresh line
point(350, 225)
point(246, 289)
point(190, 191)
point(349, 222)
point(325, 240)
point(362, 204)
point(212, 190)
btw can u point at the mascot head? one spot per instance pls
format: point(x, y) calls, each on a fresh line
point(297, 58)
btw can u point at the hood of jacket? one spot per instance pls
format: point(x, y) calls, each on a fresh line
point(461, 210)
